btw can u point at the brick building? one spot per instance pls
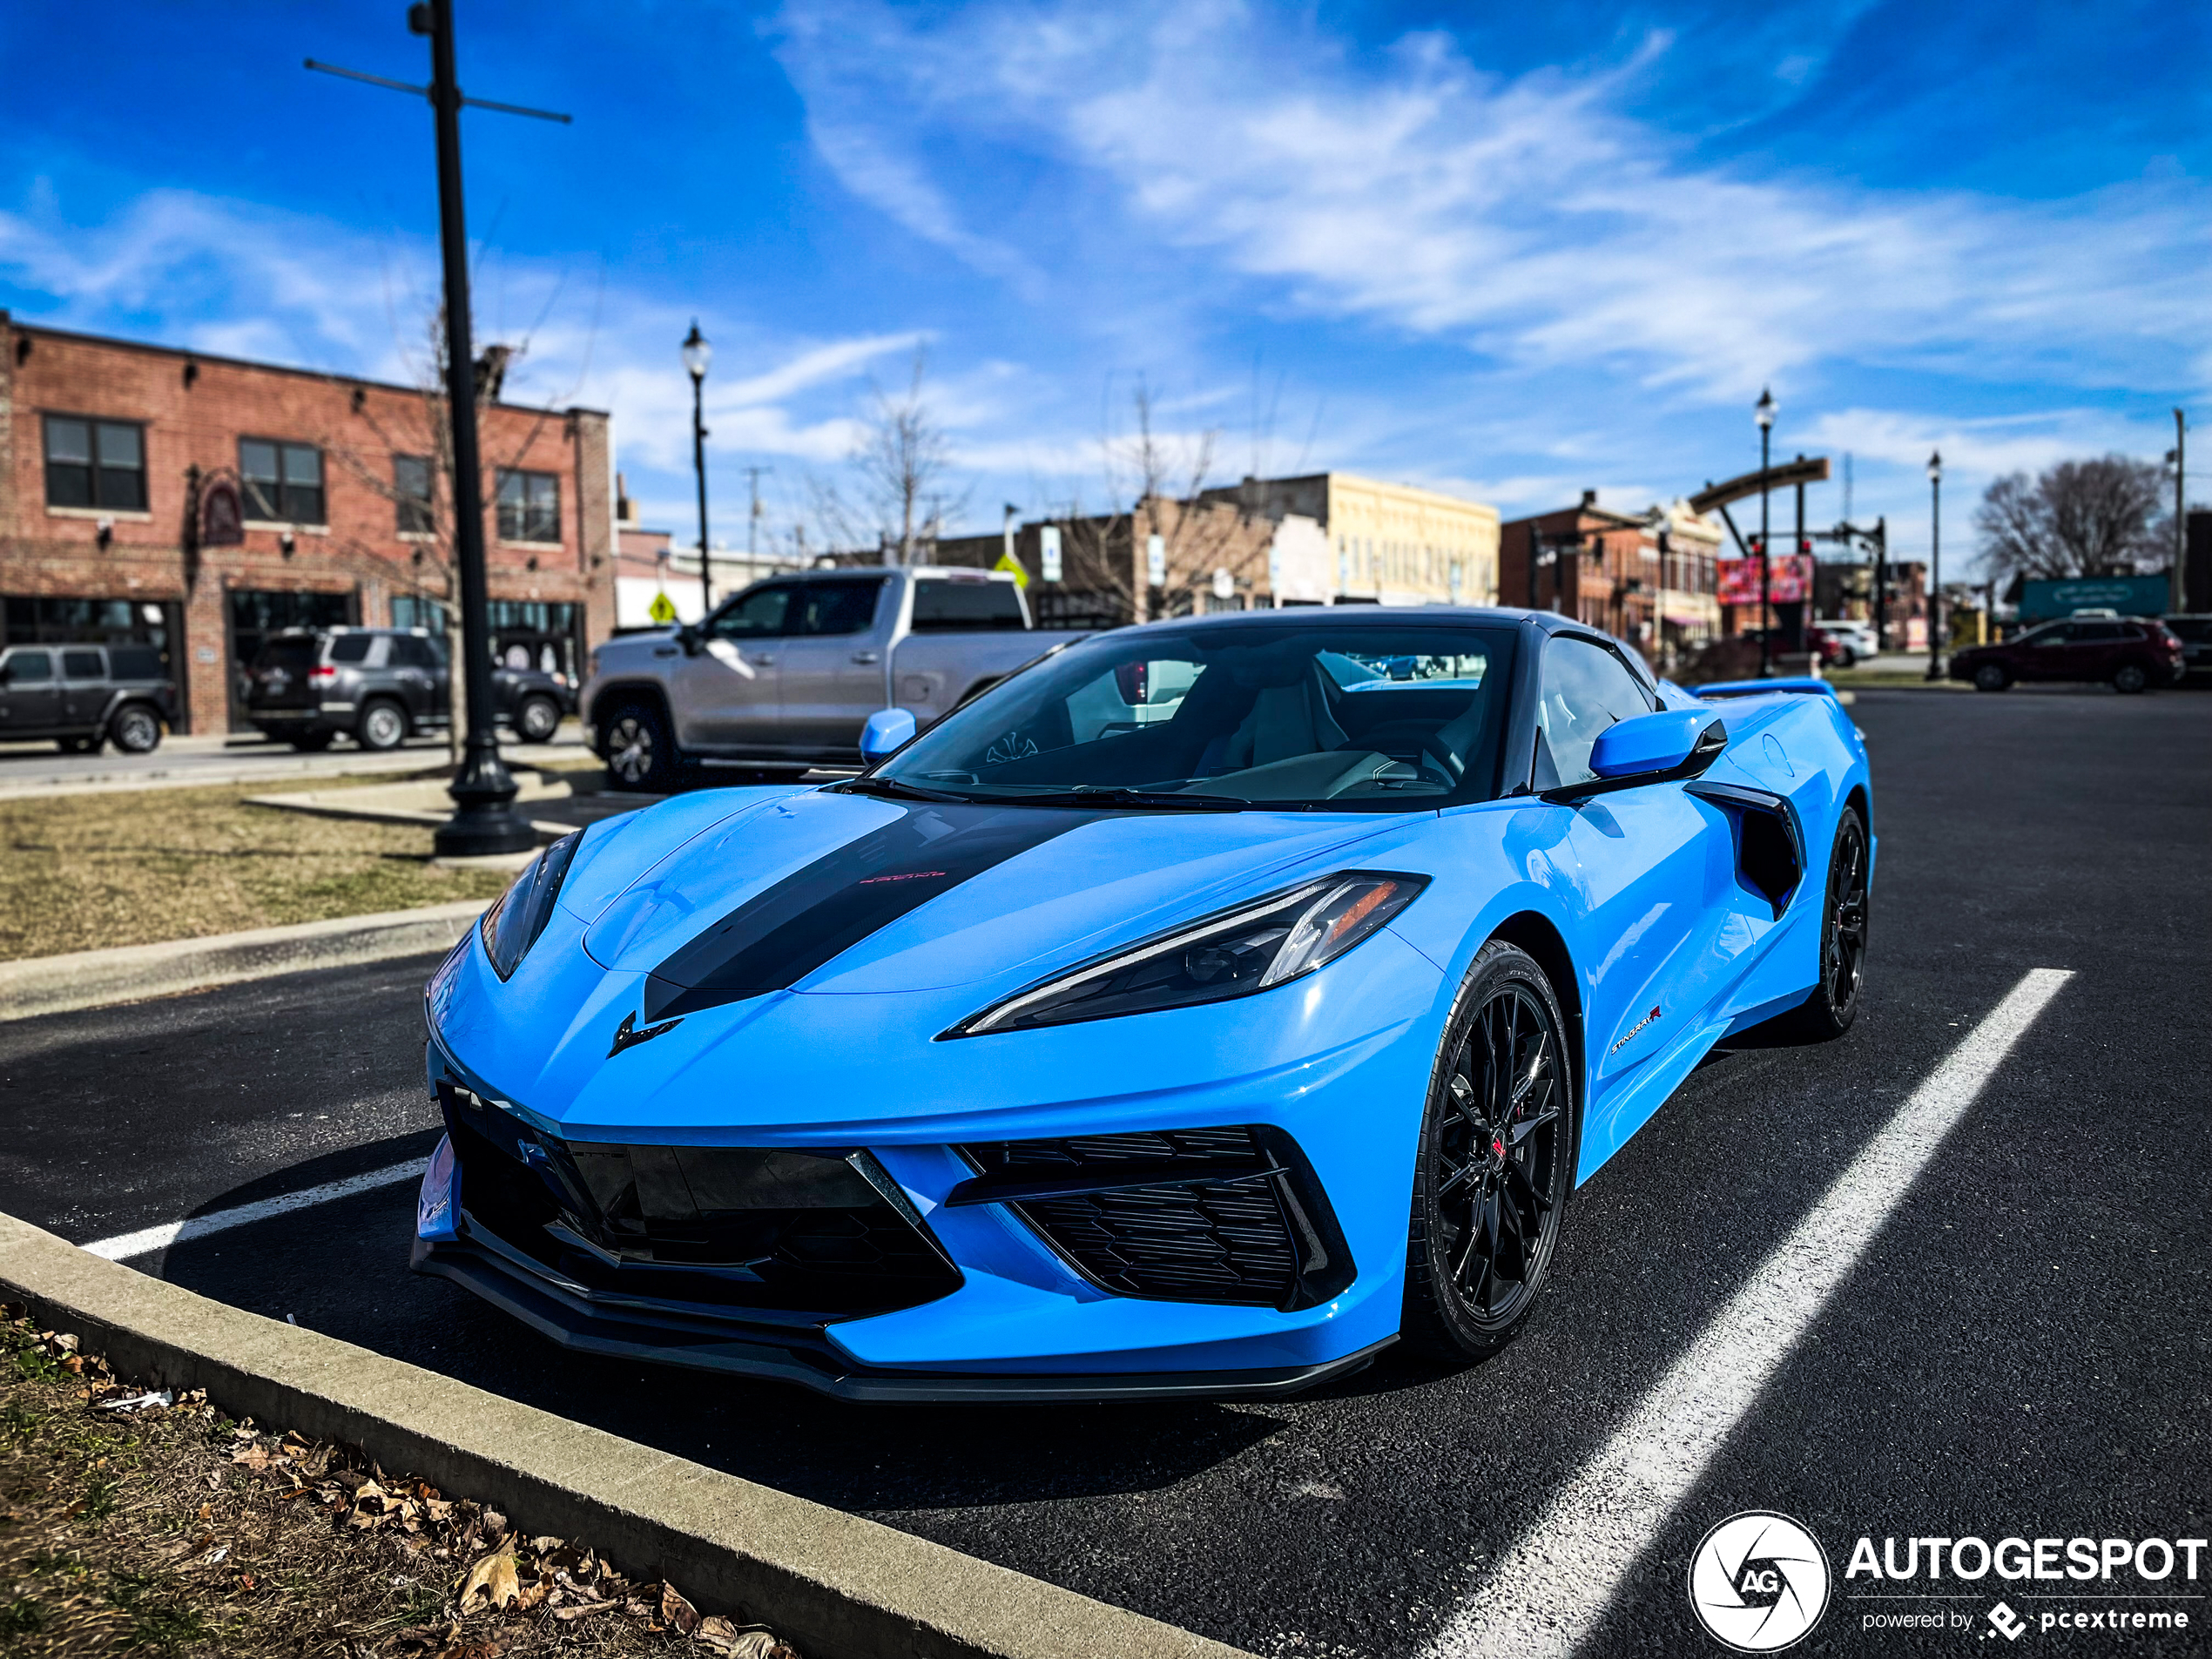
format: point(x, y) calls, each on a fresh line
point(1612, 570)
point(197, 503)
point(1394, 544)
point(1324, 539)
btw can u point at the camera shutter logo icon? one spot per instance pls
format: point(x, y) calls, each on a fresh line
point(1759, 1582)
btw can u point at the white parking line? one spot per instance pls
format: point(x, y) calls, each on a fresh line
point(146, 1240)
point(1550, 1589)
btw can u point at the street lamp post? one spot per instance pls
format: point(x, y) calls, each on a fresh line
point(1764, 413)
point(1935, 565)
point(484, 820)
point(697, 356)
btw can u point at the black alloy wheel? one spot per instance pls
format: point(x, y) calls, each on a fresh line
point(1495, 1163)
point(639, 750)
point(1828, 1012)
point(136, 729)
point(537, 719)
point(2128, 678)
point(1992, 677)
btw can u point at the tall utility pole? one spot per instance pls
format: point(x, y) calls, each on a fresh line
point(1935, 565)
point(1798, 548)
point(2177, 584)
point(1764, 414)
point(1881, 583)
point(484, 822)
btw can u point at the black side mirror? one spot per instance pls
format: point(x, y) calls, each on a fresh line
point(688, 637)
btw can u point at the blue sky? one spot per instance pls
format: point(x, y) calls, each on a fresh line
point(1513, 252)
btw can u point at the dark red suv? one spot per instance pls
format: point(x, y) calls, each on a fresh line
point(2132, 653)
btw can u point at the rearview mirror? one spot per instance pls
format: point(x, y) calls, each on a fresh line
point(688, 637)
point(887, 732)
point(1649, 749)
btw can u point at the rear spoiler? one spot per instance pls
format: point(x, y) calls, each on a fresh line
point(1800, 686)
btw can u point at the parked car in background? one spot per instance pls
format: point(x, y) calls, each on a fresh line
point(783, 675)
point(1816, 640)
point(380, 686)
point(2133, 653)
point(2196, 635)
point(85, 696)
point(1856, 638)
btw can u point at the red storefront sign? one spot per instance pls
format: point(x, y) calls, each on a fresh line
point(1789, 579)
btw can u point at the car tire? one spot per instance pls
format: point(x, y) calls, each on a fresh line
point(383, 726)
point(1494, 1164)
point(639, 750)
point(136, 729)
point(1992, 677)
point(537, 719)
point(310, 742)
point(1828, 1012)
point(2129, 680)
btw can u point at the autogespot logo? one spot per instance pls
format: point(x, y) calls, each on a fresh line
point(1759, 1582)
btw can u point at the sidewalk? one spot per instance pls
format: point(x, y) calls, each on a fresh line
point(37, 769)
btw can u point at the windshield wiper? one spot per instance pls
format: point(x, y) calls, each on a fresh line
point(1099, 796)
point(891, 789)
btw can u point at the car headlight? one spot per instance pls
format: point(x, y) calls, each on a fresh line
point(1234, 952)
point(512, 926)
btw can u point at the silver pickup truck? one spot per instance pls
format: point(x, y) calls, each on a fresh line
point(784, 674)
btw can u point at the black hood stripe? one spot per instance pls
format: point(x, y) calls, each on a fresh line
point(777, 937)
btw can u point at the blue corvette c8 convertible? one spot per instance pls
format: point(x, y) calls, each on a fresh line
point(1200, 1009)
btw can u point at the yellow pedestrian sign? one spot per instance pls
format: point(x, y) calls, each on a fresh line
point(662, 609)
point(1007, 562)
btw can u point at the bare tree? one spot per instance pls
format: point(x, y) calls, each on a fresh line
point(900, 463)
point(427, 433)
point(1166, 484)
point(2075, 518)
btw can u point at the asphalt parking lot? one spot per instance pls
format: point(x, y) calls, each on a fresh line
point(2022, 1348)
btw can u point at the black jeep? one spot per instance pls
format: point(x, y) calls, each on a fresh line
point(85, 696)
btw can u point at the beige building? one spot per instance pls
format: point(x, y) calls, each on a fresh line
point(1394, 544)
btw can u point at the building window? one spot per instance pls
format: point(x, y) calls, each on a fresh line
point(283, 481)
point(529, 506)
point(95, 463)
point(411, 493)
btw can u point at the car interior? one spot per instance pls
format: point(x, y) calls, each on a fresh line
point(1306, 721)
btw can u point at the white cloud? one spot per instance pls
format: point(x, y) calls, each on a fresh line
point(1525, 217)
point(235, 280)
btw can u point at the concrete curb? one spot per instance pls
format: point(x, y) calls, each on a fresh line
point(91, 979)
point(836, 1586)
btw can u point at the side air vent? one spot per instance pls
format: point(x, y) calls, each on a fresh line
point(1231, 1215)
point(1769, 845)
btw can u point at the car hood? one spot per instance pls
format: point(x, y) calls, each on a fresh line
point(834, 892)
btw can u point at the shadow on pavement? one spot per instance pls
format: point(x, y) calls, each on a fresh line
point(341, 1268)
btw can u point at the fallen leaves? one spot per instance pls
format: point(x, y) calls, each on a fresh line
point(497, 1581)
point(494, 1579)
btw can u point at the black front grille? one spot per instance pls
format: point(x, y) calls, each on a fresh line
point(1225, 1214)
point(771, 1229)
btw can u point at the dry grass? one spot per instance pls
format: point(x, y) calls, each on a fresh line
point(82, 872)
point(170, 1530)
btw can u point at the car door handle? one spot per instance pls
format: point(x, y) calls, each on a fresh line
point(865, 656)
point(765, 658)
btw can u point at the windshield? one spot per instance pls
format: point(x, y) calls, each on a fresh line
point(1311, 715)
